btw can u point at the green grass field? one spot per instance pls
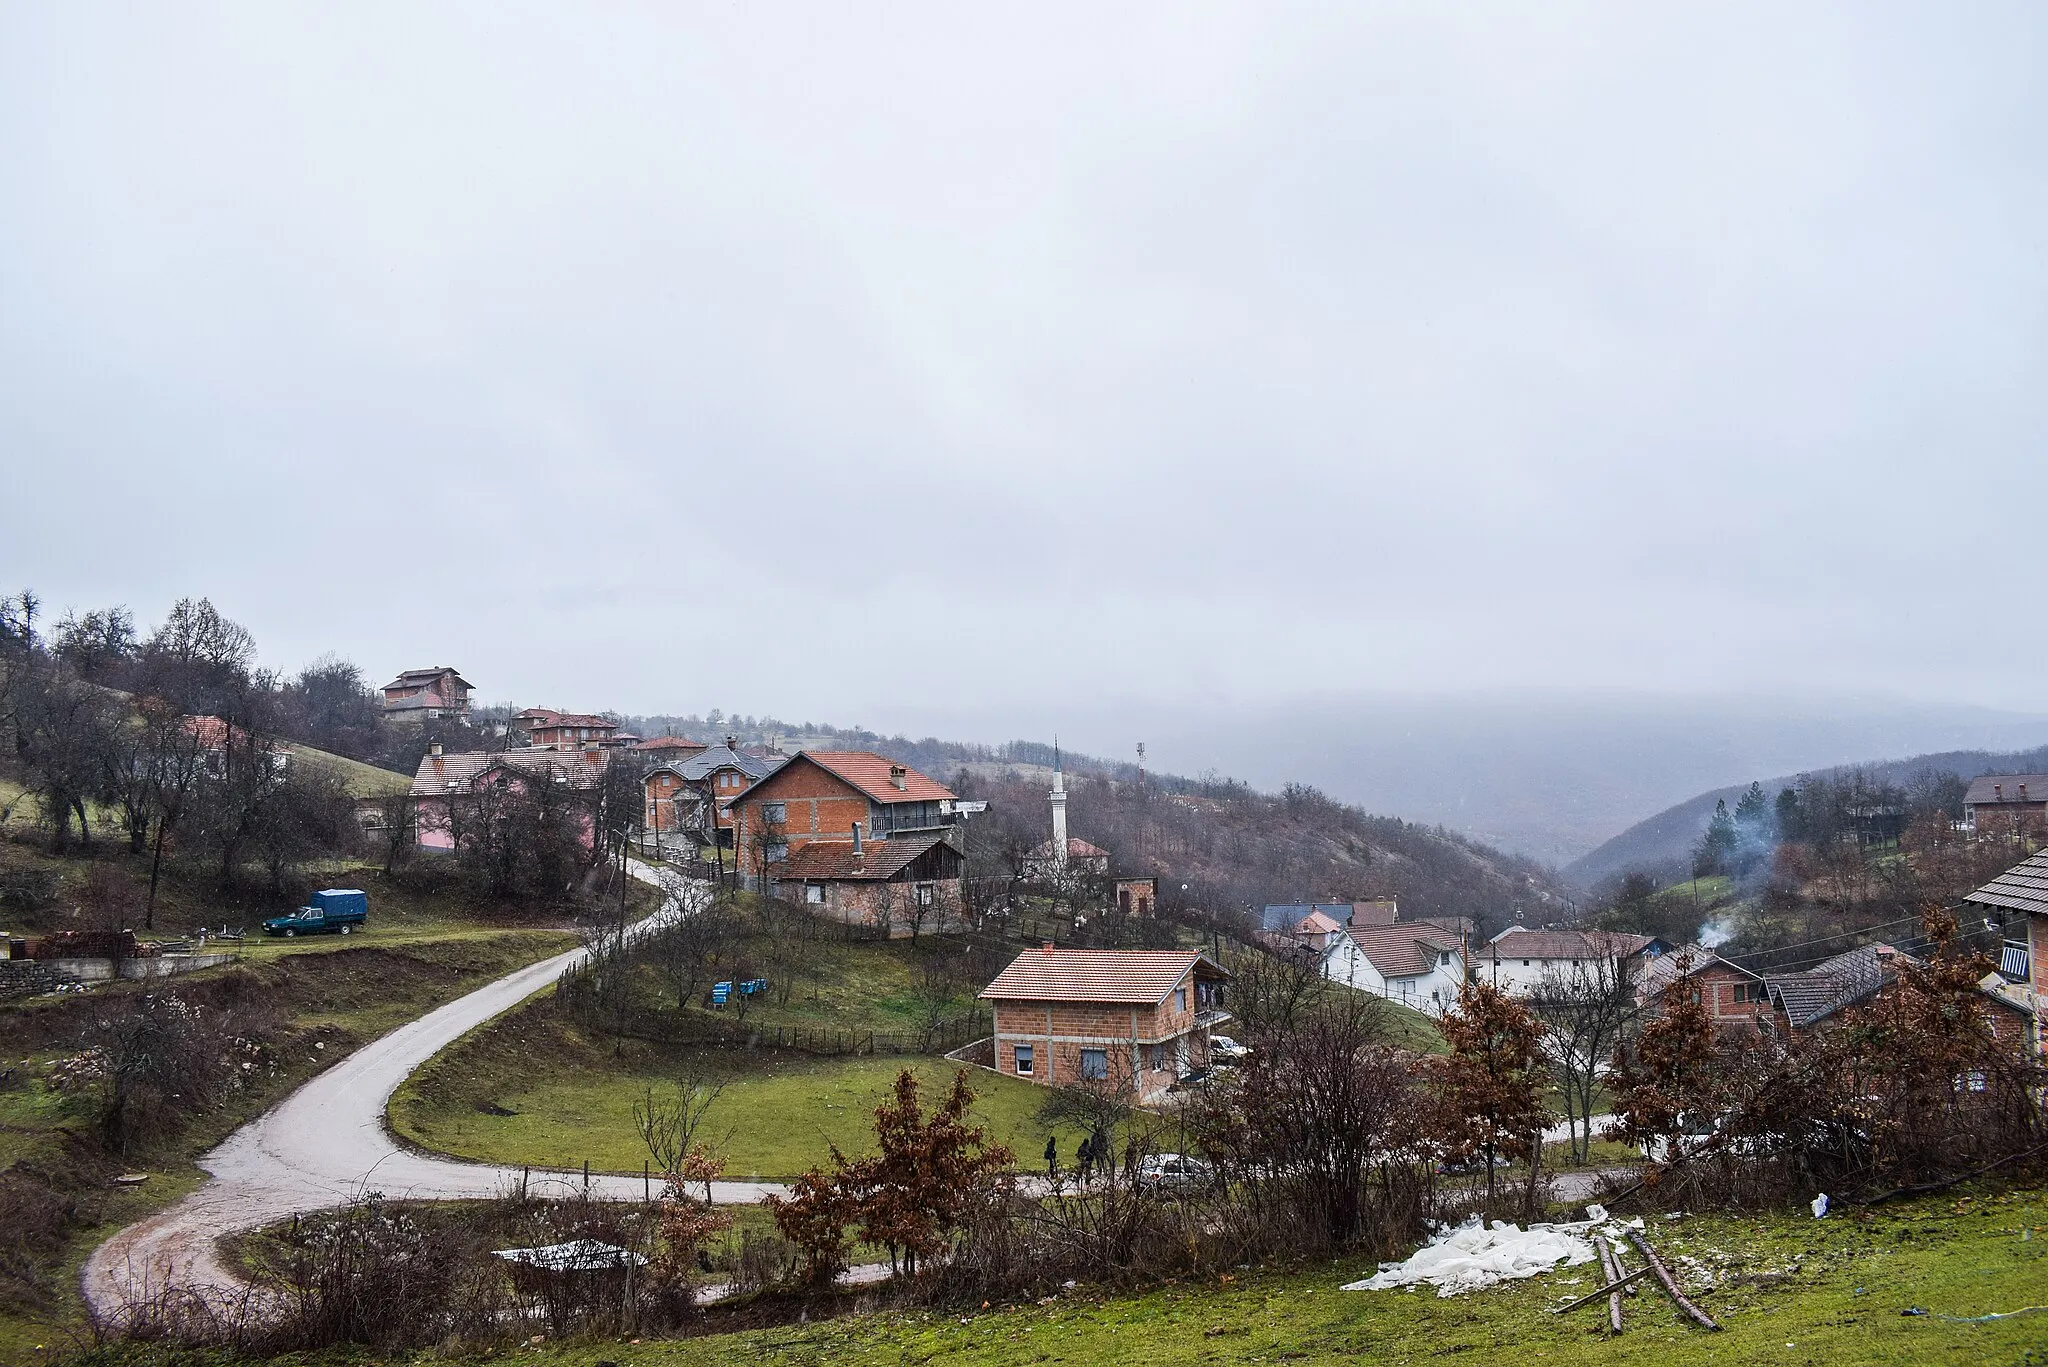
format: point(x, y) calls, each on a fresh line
point(1787, 1289)
point(528, 1090)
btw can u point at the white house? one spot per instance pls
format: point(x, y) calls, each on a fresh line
point(1518, 959)
point(1418, 965)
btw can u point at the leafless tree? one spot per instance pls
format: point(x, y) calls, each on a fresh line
point(1586, 1014)
point(670, 1121)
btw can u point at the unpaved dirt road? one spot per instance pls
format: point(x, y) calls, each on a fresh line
point(326, 1143)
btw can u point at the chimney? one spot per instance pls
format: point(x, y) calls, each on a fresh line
point(2023, 792)
point(859, 848)
point(1048, 946)
point(1998, 791)
point(435, 748)
point(897, 776)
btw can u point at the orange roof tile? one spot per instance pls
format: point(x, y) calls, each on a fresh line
point(870, 773)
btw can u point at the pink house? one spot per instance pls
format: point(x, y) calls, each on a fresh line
point(444, 783)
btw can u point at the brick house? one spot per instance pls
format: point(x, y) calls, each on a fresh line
point(1131, 1018)
point(2007, 804)
point(1137, 896)
point(547, 729)
point(436, 692)
point(1732, 994)
point(1866, 976)
point(821, 795)
point(695, 795)
point(902, 886)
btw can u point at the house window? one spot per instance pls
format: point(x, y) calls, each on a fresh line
point(1525, 963)
point(922, 894)
point(1750, 992)
point(1094, 1063)
point(814, 893)
point(774, 813)
point(1180, 999)
point(778, 852)
point(1023, 1060)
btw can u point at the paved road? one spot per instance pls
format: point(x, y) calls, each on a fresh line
point(326, 1143)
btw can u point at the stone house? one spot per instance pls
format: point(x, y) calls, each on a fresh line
point(1134, 1020)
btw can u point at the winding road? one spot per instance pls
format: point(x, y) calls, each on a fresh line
point(326, 1143)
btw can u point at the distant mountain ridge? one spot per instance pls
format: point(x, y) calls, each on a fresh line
point(1660, 843)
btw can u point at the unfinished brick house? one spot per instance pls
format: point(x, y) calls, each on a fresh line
point(435, 692)
point(824, 794)
point(1130, 1019)
point(1732, 994)
point(1868, 976)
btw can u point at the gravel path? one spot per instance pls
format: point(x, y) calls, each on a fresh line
point(326, 1143)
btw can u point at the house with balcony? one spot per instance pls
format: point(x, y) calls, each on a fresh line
point(547, 729)
point(427, 693)
point(817, 829)
point(694, 796)
point(1133, 1021)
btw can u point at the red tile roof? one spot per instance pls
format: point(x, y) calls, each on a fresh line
point(1315, 923)
point(870, 773)
point(1135, 976)
point(574, 719)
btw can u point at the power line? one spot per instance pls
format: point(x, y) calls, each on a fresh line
point(1821, 940)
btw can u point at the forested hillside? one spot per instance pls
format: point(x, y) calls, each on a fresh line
point(1662, 845)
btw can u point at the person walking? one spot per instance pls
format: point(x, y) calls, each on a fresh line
point(1086, 1155)
point(1052, 1158)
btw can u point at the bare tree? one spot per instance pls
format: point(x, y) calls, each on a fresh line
point(670, 1121)
point(1586, 1014)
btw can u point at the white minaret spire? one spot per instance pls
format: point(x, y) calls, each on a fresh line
point(1059, 809)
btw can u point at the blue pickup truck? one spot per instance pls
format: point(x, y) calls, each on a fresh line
point(331, 911)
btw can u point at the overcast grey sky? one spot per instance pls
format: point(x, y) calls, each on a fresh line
point(850, 361)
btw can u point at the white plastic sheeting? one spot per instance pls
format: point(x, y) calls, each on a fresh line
point(1470, 1257)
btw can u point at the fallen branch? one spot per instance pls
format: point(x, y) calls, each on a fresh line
point(1663, 1275)
point(1610, 1265)
point(1611, 1289)
point(1928, 1187)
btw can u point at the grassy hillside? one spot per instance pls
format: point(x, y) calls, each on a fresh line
point(363, 780)
point(1785, 1289)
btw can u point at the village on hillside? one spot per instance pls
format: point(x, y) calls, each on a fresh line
point(857, 998)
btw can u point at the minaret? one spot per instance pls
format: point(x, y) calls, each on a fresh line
point(1059, 810)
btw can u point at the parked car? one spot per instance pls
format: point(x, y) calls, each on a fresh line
point(1169, 1172)
point(331, 911)
point(1224, 1049)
